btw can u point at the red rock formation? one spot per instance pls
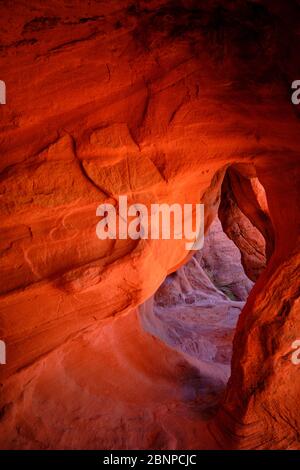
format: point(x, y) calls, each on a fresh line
point(110, 387)
point(155, 100)
point(239, 228)
point(222, 261)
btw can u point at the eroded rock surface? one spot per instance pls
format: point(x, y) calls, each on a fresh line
point(155, 100)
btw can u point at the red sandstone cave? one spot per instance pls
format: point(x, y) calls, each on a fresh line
point(140, 344)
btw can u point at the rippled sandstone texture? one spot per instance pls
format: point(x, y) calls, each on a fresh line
point(154, 100)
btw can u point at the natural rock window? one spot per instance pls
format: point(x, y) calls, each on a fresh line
point(196, 309)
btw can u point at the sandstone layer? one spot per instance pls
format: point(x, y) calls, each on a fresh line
point(159, 101)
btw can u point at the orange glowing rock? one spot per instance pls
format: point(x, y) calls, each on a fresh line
point(159, 102)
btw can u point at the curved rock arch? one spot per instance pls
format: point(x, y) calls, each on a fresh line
point(155, 102)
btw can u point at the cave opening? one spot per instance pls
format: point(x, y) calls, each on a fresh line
point(196, 309)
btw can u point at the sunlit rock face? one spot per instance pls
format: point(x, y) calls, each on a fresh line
point(159, 101)
point(245, 217)
point(221, 260)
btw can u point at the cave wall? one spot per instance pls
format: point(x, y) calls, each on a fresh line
point(154, 100)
